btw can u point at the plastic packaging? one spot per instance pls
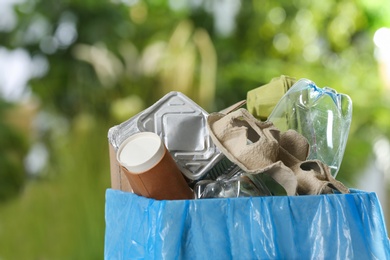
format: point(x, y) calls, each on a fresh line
point(237, 183)
point(321, 115)
point(337, 226)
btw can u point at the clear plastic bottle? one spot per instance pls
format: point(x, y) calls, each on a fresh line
point(321, 115)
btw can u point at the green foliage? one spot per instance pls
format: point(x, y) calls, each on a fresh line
point(13, 148)
point(62, 217)
point(119, 59)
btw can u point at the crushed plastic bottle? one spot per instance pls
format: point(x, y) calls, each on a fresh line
point(234, 184)
point(321, 115)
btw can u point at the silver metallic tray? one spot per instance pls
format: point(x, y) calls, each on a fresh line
point(181, 123)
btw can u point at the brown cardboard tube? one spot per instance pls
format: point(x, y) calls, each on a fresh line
point(161, 179)
point(119, 180)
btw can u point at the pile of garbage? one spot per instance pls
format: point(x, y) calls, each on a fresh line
point(289, 140)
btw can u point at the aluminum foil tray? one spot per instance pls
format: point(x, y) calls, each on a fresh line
point(181, 123)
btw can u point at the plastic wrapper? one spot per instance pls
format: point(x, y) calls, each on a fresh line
point(336, 226)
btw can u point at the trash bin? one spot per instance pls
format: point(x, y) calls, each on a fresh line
point(332, 226)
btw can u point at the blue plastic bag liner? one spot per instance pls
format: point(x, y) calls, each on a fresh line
point(336, 226)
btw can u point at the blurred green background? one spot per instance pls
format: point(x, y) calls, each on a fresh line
point(70, 70)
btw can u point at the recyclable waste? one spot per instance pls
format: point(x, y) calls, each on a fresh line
point(292, 131)
point(242, 183)
point(321, 115)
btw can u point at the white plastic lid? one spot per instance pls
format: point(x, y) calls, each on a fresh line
point(141, 152)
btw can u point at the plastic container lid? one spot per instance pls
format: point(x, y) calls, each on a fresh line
point(141, 152)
